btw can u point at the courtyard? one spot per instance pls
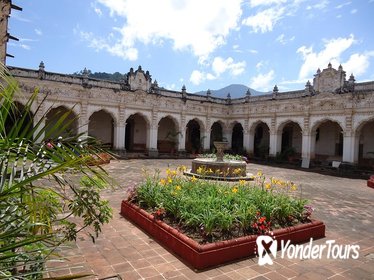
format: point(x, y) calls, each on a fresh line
point(123, 250)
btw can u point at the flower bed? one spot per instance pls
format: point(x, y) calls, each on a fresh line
point(370, 182)
point(208, 223)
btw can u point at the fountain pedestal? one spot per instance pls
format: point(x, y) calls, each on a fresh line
point(220, 168)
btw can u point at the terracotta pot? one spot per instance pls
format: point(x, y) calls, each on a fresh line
point(201, 256)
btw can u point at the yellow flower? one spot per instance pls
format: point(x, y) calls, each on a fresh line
point(234, 190)
point(162, 181)
point(242, 182)
point(170, 180)
point(200, 170)
point(268, 186)
point(210, 171)
point(168, 171)
point(173, 173)
point(193, 179)
point(236, 171)
point(178, 188)
point(293, 187)
point(259, 173)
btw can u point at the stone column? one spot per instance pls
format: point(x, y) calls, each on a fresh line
point(206, 140)
point(306, 149)
point(227, 134)
point(348, 146)
point(182, 136)
point(83, 120)
point(119, 136)
point(152, 141)
point(39, 117)
point(152, 135)
point(275, 143)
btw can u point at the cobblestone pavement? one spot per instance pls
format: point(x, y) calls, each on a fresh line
point(345, 205)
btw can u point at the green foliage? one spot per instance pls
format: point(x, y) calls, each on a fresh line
point(225, 156)
point(209, 207)
point(41, 189)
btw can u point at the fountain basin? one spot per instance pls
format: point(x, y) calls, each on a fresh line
point(228, 170)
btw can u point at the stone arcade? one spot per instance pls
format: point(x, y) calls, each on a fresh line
point(330, 119)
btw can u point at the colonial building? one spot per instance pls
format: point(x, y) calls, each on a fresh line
point(330, 119)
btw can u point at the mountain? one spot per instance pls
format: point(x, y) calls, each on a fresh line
point(235, 90)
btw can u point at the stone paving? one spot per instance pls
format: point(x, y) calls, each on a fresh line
point(125, 252)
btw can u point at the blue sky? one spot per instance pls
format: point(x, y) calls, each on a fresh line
point(204, 44)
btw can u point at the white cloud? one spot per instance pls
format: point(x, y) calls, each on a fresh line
point(265, 20)
point(358, 63)
point(353, 11)
point(127, 53)
point(332, 51)
point(38, 32)
point(197, 77)
point(253, 51)
point(255, 3)
point(343, 4)
point(262, 81)
point(283, 40)
point(220, 66)
point(199, 26)
point(24, 46)
point(259, 65)
point(96, 9)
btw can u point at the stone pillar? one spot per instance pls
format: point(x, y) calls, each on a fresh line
point(206, 140)
point(39, 117)
point(348, 147)
point(306, 149)
point(182, 142)
point(182, 137)
point(275, 143)
point(152, 140)
point(246, 137)
point(83, 120)
point(119, 136)
point(356, 147)
point(227, 134)
point(152, 135)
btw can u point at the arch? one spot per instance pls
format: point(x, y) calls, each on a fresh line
point(17, 117)
point(328, 140)
point(193, 137)
point(101, 126)
point(136, 135)
point(67, 129)
point(253, 125)
point(237, 138)
point(261, 141)
point(167, 135)
point(318, 122)
point(198, 120)
point(292, 138)
point(287, 122)
point(365, 144)
point(216, 133)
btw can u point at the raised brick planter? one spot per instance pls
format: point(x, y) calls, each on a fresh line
point(201, 256)
point(370, 182)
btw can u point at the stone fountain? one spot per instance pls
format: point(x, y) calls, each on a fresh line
point(219, 168)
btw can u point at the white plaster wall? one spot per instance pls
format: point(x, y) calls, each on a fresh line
point(367, 139)
point(166, 126)
point(328, 136)
point(100, 126)
point(140, 130)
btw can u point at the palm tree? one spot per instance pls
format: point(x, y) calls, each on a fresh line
point(42, 186)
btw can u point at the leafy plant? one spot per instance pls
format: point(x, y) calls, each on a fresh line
point(216, 210)
point(42, 186)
